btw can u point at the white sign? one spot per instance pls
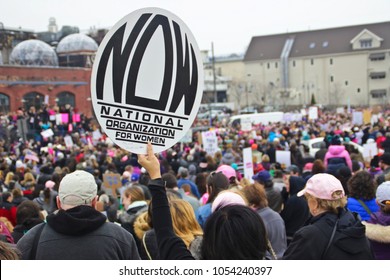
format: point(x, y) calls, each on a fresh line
point(246, 124)
point(357, 118)
point(313, 113)
point(147, 80)
point(47, 133)
point(303, 112)
point(340, 110)
point(96, 135)
point(283, 157)
point(68, 141)
point(210, 142)
point(248, 163)
point(370, 150)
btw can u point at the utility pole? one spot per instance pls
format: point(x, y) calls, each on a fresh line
point(214, 77)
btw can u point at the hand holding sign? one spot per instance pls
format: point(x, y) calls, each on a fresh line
point(150, 162)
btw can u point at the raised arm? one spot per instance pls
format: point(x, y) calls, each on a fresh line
point(170, 246)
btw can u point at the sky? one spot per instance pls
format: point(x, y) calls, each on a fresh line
point(226, 24)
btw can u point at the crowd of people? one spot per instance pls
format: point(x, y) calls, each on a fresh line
point(57, 201)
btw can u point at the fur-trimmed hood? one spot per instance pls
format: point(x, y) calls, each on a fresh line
point(378, 232)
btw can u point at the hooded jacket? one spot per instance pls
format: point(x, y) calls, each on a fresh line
point(80, 233)
point(337, 152)
point(378, 232)
point(349, 242)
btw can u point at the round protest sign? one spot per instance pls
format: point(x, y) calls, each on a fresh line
point(147, 80)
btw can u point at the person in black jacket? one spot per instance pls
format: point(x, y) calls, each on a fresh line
point(333, 232)
point(295, 211)
point(77, 231)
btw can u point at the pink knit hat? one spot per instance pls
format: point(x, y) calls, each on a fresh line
point(49, 184)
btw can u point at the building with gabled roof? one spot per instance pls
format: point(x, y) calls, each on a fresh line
point(336, 66)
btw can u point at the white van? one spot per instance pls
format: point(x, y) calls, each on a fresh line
point(263, 118)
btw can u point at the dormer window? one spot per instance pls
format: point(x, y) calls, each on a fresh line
point(366, 43)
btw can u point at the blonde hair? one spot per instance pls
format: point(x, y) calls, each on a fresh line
point(8, 178)
point(184, 222)
point(7, 252)
point(7, 223)
point(265, 158)
point(330, 205)
point(28, 177)
point(136, 193)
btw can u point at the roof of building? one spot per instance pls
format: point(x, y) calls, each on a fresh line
point(314, 42)
point(33, 53)
point(76, 43)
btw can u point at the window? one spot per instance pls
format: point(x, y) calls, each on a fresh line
point(377, 56)
point(64, 98)
point(33, 99)
point(268, 65)
point(366, 43)
point(276, 65)
point(331, 61)
point(293, 63)
point(378, 93)
point(312, 61)
point(331, 79)
point(358, 90)
point(346, 83)
point(378, 75)
point(312, 45)
point(325, 44)
point(4, 103)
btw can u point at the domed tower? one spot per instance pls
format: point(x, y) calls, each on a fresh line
point(33, 53)
point(76, 50)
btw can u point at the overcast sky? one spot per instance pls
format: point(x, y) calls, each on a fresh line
point(228, 24)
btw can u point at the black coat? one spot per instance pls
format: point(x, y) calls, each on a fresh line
point(349, 242)
point(295, 211)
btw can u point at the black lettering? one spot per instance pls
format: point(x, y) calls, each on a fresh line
point(118, 113)
point(183, 85)
point(146, 117)
point(169, 121)
point(179, 123)
point(158, 119)
point(131, 98)
point(105, 110)
point(119, 58)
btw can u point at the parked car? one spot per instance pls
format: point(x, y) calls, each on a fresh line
point(315, 144)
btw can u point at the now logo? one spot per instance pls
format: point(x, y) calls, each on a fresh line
point(148, 66)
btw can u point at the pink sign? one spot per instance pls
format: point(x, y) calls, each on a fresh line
point(76, 118)
point(64, 118)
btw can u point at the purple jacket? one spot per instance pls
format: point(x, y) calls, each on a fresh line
point(338, 151)
point(378, 232)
